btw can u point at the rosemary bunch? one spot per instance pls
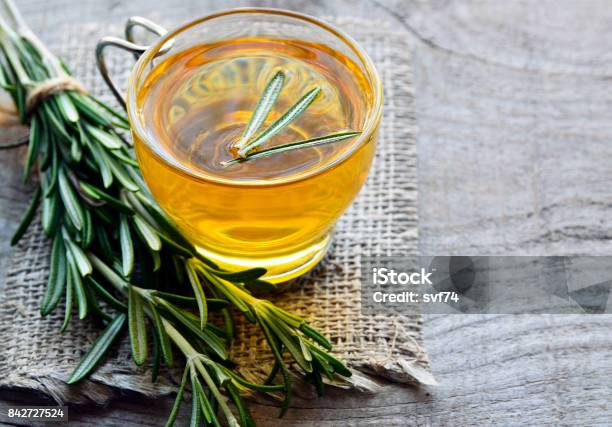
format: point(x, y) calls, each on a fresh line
point(116, 257)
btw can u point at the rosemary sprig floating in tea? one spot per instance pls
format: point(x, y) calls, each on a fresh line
point(104, 226)
point(247, 144)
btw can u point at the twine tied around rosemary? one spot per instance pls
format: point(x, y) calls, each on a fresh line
point(50, 87)
point(9, 116)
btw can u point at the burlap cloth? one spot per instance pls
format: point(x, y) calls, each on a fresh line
point(383, 221)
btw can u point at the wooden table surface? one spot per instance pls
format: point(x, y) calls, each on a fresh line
point(514, 106)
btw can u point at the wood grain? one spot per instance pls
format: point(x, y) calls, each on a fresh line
point(515, 143)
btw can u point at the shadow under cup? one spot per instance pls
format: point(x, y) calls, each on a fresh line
point(283, 224)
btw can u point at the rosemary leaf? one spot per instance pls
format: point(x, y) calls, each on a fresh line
point(134, 202)
point(273, 372)
point(260, 286)
point(120, 173)
point(109, 140)
point(98, 350)
point(98, 194)
point(290, 116)
point(219, 284)
point(75, 149)
point(316, 378)
point(148, 233)
point(27, 217)
point(289, 340)
point(68, 308)
point(67, 107)
point(127, 247)
point(164, 341)
point(179, 398)
point(77, 282)
point(306, 143)
point(305, 352)
point(87, 233)
point(262, 110)
point(243, 276)
point(57, 277)
point(111, 111)
point(195, 406)
point(338, 366)
point(137, 327)
point(55, 121)
point(125, 158)
point(159, 217)
point(198, 392)
point(190, 302)
point(246, 419)
point(156, 258)
point(176, 247)
point(315, 335)
point(100, 157)
point(183, 317)
point(105, 295)
point(4, 83)
point(71, 203)
point(181, 300)
point(20, 101)
point(50, 213)
point(33, 147)
point(80, 259)
point(46, 145)
point(321, 365)
point(293, 320)
point(228, 322)
point(278, 356)
point(102, 241)
point(198, 291)
point(238, 380)
point(54, 171)
point(89, 110)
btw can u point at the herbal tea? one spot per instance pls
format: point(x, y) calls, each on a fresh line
point(275, 211)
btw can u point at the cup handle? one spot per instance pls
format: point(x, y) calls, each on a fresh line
point(127, 44)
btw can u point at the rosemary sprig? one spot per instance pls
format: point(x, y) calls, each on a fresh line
point(105, 226)
point(246, 145)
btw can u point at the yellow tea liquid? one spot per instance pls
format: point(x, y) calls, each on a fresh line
point(275, 212)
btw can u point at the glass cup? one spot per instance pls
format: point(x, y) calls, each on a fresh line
point(284, 225)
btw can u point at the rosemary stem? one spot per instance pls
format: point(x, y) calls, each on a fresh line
point(192, 357)
point(215, 391)
point(117, 281)
point(24, 30)
point(14, 14)
point(7, 42)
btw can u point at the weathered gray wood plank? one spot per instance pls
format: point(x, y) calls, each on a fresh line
point(514, 155)
point(514, 152)
point(14, 198)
